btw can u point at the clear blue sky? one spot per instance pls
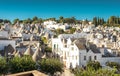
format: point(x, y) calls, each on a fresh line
point(81, 9)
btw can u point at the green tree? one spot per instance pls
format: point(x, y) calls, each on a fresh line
point(53, 19)
point(50, 65)
point(40, 20)
point(102, 21)
point(29, 20)
point(48, 49)
point(71, 20)
point(61, 19)
point(94, 64)
point(35, 22)
point(112, 20)
point(25, 21)
point(72, 30)
point(59, 31)
point(95, 21)
point(3, 66)
point(15, 21)
point(118, 20)
point(98, 20)
point(21, 64)
point(85, 22)
point(1, 20)
point(44, 40)
point(35, 18)
point(6, 21)
point(21, 21)
point(93, 72)
point(113, 65)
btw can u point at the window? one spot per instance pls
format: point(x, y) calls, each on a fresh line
point(65, 45)
point(76, 57)
point(72, 57)
point(71, 65)
point(65, 56)
point(90, 58)
point(57, 46)
point(72, 48)
point(71, 43)
point(77, 65)
point(54, 46)
point(114, 53)
point(84, 57)
point(67, 53)
point(95, 57)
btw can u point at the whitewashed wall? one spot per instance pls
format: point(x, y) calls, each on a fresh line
point(26, 36)
point(4, 34)
point(4, 43)
point(103, 60)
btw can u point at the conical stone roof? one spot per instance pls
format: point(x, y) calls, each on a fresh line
point(29, 51)
point(37, 55)
point(18, 54)
point(44, 56)
point(14, 52)
point(9, 49)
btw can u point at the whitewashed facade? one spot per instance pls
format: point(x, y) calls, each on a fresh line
point(4, 43)
point(54, 25)
point(73, 55)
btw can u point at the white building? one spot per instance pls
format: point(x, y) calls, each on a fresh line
point(6, 42)
point(77, 51)
point(4, 34)
point(54, 25)
point(49, 22)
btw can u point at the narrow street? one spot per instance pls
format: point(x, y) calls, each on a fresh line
point(67, 73)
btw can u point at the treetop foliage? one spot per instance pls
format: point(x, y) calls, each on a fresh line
point(111, 21)
point(51, 65)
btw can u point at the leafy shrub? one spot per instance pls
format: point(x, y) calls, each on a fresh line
point(113, 64)
point(44, 40)
point(93, 69)
point(3, 66)
point(72, 30)
point(48, 49)
point(94, 65)
point(21, 64)
point(92, 72)
point(50, 65)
